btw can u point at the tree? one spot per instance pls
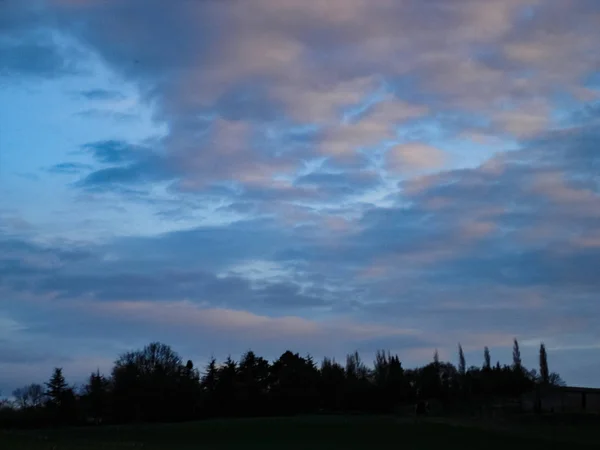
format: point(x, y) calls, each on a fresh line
point(331, 385)
point(253, 383)
point(30, 396)
point(97, 396)
point(154, 384)
point(293, 384)
point(517, 364)
point(254, 372)
point(554, 379)
point(544, 372)
point(390, 381)
point(462, 365)
point(56, 388)
point(487, 360)
point(147, 384)
point(21, 396)
point(355, 368)
point(62, 401)
point(208, 381)
point(381, 368)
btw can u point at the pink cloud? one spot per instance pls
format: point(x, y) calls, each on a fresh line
point(242, 324)
point(314, 58)
point(406, 158)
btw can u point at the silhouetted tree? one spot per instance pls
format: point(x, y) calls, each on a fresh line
point(253, 381)
point(544, 372)
point(462, 365)
point(153, 384)
point(208, 386)
point(62, 401)
point(147, 383)
point(517, 364)
point(293, 384)
point(227, 389)
point(487, 360)
point(189, 390)
point(30, 396)
point(331, 385)
point(390, 381)
point(56, 387)
point(96, 396)
point(554, 379)
point(21, 397)
point(209, 379)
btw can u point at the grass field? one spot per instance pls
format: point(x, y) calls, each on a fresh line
point(307, 433)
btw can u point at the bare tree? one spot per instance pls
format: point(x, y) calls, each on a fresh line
point(29, 396)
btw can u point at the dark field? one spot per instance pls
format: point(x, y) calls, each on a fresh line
point(307, 433)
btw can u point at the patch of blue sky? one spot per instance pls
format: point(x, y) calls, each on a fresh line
point(352, 113)
point(462, 150)
point(592, 80)
point(41, 128)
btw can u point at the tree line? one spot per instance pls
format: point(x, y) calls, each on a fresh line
point(155, 385)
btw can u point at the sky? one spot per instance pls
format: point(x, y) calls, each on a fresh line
point(320, 176)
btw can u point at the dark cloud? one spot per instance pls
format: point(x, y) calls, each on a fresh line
point(128, 165)
point(112, 151)
point(172, 286)
point(28, 48)
point(102, 94)
point(69, 168)
point(108, 178)
point(75, 273)
point(213, 247)
point(34, 59)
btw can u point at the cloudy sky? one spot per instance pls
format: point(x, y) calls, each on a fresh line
point(316, 175)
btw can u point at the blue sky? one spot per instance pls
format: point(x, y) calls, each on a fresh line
point(319, 176)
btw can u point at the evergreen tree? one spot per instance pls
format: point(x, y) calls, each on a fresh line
point(96, 394)
point(544, 371)
point(209, 379)
point(253, 377)
point(56, 388)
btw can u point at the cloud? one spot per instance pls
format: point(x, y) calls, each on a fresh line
point(404, 158)
point(33, 59)
point(106, 114)
point(124, 165)
point(111, 151)
point(346, 182)
point(102, 94)
point(29, 48)
point(69, 168)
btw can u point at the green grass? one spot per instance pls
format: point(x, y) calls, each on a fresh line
point(307, 433)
